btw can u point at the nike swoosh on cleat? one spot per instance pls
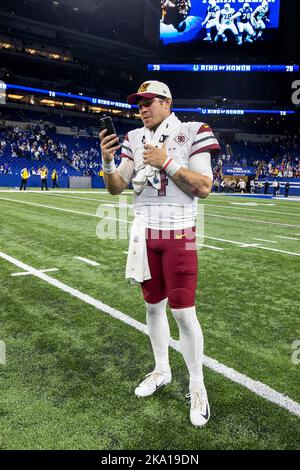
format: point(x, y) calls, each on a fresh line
point(206, 416)
point(160, 385)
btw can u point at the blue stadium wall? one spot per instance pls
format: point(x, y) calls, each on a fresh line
point(14, 181)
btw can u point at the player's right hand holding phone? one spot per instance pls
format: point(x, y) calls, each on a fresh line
point(109, 139)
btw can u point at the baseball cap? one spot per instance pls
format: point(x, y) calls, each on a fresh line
point(150, 89)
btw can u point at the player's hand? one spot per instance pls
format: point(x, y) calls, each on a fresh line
point(155, 156)
point(109, 145)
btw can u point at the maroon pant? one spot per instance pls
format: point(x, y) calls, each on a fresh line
point(173, 263)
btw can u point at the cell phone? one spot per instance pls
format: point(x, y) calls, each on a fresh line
point(107, 123)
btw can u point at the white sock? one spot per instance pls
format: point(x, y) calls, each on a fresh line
point(159, 332)
point(191, 344)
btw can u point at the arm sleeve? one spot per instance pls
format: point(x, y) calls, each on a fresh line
point(201, 164)
point(126, 169)
point(204, 141)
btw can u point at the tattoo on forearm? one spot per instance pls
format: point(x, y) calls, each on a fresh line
point(199, 188)
point(185, 185)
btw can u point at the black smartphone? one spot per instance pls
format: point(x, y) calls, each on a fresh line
point(107, 123)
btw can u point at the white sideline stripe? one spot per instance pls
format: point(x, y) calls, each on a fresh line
point(255, 245)
point(222, 240)
point(60, 191)
point(129, 221)
point(48, 207)
point(255, 221)
point(254, 386)
point(62, 209)
point(278, 251)
point(109, 218)
point(73, 197)
point(209, 246)
point(287, 238)
point(87, 261)
point(206, 205)
point(246, 208)
point(27, 273)
point(262, 240)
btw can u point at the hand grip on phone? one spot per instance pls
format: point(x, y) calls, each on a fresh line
point(107, 123)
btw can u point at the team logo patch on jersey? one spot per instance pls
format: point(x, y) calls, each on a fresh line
point(181, 139)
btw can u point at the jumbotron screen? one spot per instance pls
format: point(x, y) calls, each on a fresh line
point(215, 22)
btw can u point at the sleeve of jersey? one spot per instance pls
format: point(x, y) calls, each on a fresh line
point(126, 151)
point(126, 169)
point(205, 141)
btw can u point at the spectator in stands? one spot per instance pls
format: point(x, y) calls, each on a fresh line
point(54, 178)
point(24, 175)
point(64, 170)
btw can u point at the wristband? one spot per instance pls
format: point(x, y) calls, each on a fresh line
point(170, 166)
point(109, 167)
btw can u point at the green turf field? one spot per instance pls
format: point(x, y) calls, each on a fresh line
point(71, 370)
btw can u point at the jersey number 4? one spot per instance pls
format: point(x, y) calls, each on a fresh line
point(163, 182)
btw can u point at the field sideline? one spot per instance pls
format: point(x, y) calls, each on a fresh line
point(71, 370)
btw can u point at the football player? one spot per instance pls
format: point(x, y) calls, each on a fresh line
point(175, 12)
point(169, 164)
point(212, 19)
point(243, 17)
point(227, 23)
point(260, 17)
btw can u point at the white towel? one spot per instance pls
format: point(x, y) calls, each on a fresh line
point(137, 267)
point(147, 173)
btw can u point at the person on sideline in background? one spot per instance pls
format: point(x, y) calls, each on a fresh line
point(24, 175)
point(286, 189)
point(169, 165)
point(44, 176)
point(54, 177)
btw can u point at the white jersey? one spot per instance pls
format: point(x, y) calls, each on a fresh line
point(260, 13)
point(226, 16)
point(169, 208)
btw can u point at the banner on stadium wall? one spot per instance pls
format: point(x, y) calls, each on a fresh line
point(238, 171)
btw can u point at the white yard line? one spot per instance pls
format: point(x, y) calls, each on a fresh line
point(209, 246)
point(253, 221)
point(61, 209)
point(74, 197)
point(287, 238)
point(222, 240)
point(28, 273)
point(87, 261)
point(217, 206)
point(129, 221)
point(254, 245)
point(278, 251)
point(254, 386)
point(206, 214)
point(262, 240)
